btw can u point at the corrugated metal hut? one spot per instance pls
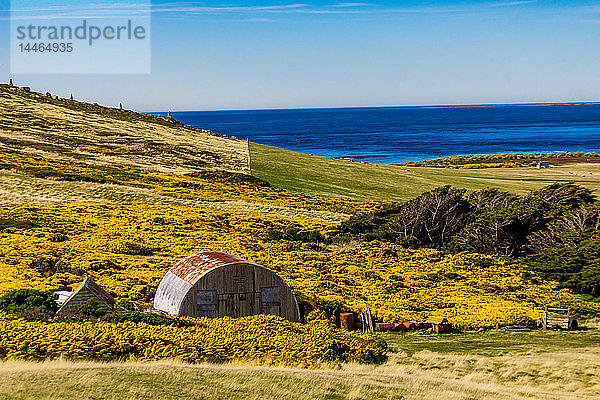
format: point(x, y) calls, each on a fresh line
point(86, 291)
point(214, 284)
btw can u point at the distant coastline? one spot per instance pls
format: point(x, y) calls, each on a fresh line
point(591, 103)
point(555, 158)
point(393, 135)
point(476, 105)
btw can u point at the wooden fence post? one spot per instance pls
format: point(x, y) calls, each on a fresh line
point(249, 157)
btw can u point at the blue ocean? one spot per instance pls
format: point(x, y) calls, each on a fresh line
point(389, 135)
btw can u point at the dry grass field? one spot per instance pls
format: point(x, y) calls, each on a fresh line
point(506, 365)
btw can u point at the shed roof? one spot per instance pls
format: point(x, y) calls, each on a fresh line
point(92, 287)
point(193, 267)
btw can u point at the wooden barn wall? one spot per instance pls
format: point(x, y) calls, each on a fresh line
point(82, 296)
point(288, 308)
point(238, 292)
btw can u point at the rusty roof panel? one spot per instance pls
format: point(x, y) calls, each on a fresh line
point(191, 268)
point(99, 292)
point(93, 288)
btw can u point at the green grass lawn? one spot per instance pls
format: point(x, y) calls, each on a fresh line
point(327, 176)
point(494, 343)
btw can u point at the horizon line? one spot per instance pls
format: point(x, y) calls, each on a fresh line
point(466, 105)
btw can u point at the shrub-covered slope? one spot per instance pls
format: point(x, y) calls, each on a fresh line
point(128, 248)
point(554, 230)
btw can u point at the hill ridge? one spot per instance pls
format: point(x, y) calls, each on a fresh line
point(67, 129)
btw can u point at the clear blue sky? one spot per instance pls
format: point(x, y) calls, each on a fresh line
point(285, 54)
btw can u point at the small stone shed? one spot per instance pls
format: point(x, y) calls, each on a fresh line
point(214, 284)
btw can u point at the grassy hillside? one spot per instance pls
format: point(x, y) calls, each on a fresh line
point(26, 178)
point(72, 130)
point(80, 131)
point(366, 182)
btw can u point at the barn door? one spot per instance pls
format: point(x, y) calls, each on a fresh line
point(244, 304)
point(235, 305)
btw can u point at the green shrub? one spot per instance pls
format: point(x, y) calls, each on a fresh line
point(125, 305)
point(27, 300)
point(332, 309)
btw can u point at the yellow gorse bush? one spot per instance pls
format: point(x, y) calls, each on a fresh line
point(511, 164)
point(128, 248)
point(207, 185)
point(260, 339)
